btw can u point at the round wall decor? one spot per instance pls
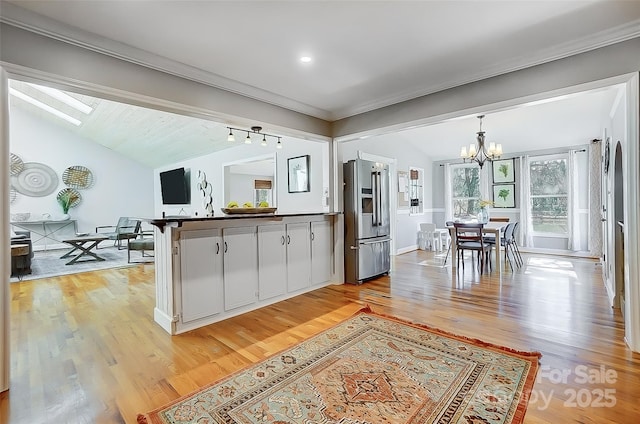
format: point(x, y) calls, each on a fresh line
point(77, 177)
point(17, 166)
point(35, 180)
point(72, 194)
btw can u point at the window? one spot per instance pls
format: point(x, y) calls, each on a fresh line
point(416, 191)
point(549, 188)
point(465, 187)
point(262, 192)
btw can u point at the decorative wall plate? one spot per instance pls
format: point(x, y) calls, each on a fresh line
point(17, 166)
point(35, 180)
point(77, 177)
point(75, 196)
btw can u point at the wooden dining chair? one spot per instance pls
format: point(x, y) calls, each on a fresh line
point(469, 237)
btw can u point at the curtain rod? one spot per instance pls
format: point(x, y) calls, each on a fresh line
point(512, 157)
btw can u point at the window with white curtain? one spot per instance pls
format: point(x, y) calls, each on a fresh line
point(549, 194)
point(465, 190)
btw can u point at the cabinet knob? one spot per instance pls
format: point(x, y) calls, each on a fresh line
point(217, 248)
point(225, 247)
point(313, 236)
point(288, 239)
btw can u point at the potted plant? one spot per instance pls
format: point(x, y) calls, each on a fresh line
point(66, 200)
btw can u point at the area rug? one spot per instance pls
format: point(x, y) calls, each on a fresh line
point(47, 263)
point(370, 368)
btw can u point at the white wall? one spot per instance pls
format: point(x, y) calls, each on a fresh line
point(241, 187)
point(393, 146)
point(121, 186)
point(213, 166)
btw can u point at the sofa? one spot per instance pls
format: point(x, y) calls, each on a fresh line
point(21, 265)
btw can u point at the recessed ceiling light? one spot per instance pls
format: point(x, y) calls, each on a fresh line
point(305, 59)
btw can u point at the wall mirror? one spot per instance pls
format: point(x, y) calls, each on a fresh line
point(252, 181)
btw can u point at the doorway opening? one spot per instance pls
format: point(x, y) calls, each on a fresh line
point(618, 213)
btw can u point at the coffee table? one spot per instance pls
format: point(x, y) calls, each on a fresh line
point(85, 245)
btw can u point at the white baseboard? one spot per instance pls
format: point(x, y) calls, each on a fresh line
point(406, 249)
point(163, 320)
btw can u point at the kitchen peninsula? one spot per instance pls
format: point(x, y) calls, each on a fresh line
point(212, 268)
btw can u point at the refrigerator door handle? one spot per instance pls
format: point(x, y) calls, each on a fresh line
point(379, 192)
point(374, 186)
point(373, 242)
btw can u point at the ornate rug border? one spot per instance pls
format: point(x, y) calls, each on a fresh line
point(532, 357)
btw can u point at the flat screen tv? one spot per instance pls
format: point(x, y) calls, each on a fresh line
point(176, 187)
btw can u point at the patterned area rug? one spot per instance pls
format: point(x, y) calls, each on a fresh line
point(47, 263)
point(369, 369)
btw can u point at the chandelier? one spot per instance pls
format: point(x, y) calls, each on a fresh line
point(254, 131)
point(480, 153)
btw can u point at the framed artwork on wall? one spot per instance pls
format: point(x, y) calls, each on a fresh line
point(503, 171)
point(504, 196)
point(298, 171)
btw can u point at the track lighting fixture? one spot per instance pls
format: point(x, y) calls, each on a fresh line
point(254, 130)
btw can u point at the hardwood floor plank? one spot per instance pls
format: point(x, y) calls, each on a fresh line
point(85, 347)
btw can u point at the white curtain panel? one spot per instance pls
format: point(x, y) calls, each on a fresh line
point(595, 198)
point(573, 202)
point(448, 195)
point(526, 226)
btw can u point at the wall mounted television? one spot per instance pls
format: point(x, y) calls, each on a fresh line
point(175, 185)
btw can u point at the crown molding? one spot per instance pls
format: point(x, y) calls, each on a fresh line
point(33, 22)
point(591, 42)
point(42, 25)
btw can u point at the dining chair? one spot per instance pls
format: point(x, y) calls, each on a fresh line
point(499, 219)
point(448, 224)
point(515, 243)
point(469, 237)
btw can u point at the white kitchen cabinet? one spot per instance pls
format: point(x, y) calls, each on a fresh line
point(201, 280)
point(272, 261)
point(321, 248)
point(240, 266)
point(298, 256)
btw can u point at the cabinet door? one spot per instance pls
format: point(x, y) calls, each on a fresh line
point(298, 256)
point(240, 266)
point(321, 252)
point(272, 261)
point(201, 274)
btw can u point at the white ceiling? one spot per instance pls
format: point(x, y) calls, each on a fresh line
point(365, 55)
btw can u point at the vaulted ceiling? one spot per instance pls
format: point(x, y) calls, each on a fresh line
point(364, 54)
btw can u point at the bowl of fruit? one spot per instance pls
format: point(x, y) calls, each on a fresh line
point(247, 208)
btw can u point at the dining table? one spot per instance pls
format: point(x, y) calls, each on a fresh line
point(490, 228)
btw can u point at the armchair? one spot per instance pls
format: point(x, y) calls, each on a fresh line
point(126, 229)
point(145, 242)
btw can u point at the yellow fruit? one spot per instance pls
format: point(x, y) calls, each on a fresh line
point(264, 204)
point(232, 205)
point(247, 205)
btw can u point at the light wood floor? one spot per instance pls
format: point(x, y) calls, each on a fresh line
point(85, 348)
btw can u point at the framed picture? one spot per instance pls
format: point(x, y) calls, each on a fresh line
point(503, 171)
point(504, 196)
point(298, 174)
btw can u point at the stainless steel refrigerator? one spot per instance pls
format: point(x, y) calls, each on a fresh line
point(367, 251)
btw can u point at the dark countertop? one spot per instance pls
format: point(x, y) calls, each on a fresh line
point(162, 222)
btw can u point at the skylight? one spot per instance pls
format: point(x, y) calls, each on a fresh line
point(43, 106)
point(64, 98)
